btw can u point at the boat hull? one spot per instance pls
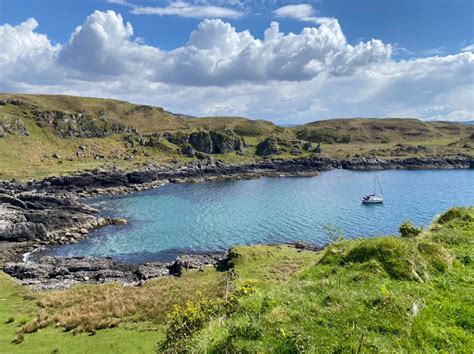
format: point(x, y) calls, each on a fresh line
point(372, 201)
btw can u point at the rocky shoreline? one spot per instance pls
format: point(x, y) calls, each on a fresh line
point(51, 211)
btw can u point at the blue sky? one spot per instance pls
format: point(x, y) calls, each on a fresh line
point(416, 25)
point(420, 64)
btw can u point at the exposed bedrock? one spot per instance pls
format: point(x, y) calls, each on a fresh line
point(62, 272)
point(32, 219)
point(209, 168)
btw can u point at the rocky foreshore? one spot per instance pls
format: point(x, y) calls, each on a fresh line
point(38, 213)
point(49, 273)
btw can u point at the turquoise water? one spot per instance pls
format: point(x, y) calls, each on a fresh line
point(211, 216)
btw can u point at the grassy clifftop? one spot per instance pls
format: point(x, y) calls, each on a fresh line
point(388, 294)
point(42, 135)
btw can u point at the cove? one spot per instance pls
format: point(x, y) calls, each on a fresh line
point(213, 216)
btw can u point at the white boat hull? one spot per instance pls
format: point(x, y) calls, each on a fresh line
point(372, 200)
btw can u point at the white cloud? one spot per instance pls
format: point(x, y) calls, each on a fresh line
point(184, 9)
point(285, 77)
point(119, 2)
point(469, 48)
point(301, 12)
point(103, 46)
point(26, 54)
point(217, 54)
point(435, 51)
point(22, 42)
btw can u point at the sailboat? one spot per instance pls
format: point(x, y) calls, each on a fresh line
point(373, 198)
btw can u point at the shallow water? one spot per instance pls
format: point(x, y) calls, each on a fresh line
point(177, 219)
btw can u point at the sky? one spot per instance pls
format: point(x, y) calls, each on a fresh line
point(286, 61)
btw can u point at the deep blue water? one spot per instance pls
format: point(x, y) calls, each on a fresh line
point(177, 219)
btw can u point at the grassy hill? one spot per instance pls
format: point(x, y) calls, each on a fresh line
point(383, 294)
point(42, 135)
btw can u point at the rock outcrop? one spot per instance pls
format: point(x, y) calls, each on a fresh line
point(34, 219)
point(62, 272)
point(80, 124)
point(216, 142)
point(12, 126)
point(267, 147)
point(194, 262)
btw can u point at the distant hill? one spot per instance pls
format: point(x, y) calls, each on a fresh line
point(385, 130)
point(42, 135)
point(143, 117)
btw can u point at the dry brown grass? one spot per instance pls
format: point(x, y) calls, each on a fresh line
point(93, 307)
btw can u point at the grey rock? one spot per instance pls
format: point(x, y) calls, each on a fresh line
point(193, 262)
point(267, 147)
point(188, 151)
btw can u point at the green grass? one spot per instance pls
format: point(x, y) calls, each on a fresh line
point(384, 294)
point(17, 305)
point(372, 295)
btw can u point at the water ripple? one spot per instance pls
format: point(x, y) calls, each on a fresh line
point(217, 215)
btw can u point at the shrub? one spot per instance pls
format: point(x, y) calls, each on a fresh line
point(407, 229)
point(333, 232)
point(344, 139)
point(450, 215)
point(185, 320)
point(248, 130)
point(323, 135)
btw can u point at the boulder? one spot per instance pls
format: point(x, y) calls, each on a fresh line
point(20, 127)
point(188, 151)
point(152, 270)
point(267, 147)
point(193, 262)
point(201, 141)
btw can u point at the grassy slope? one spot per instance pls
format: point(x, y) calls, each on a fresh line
point(379, 136)
point(380, 294)
point(137, 314)
point(31, 157)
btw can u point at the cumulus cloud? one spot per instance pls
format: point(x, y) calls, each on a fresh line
point(24, 53)
point(301, 12)
point(290, 77)
point(103, 46)
point(184, 9)
point(217, 54)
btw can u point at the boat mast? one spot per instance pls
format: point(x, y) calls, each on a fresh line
point(381, 191)
point(374, 184)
